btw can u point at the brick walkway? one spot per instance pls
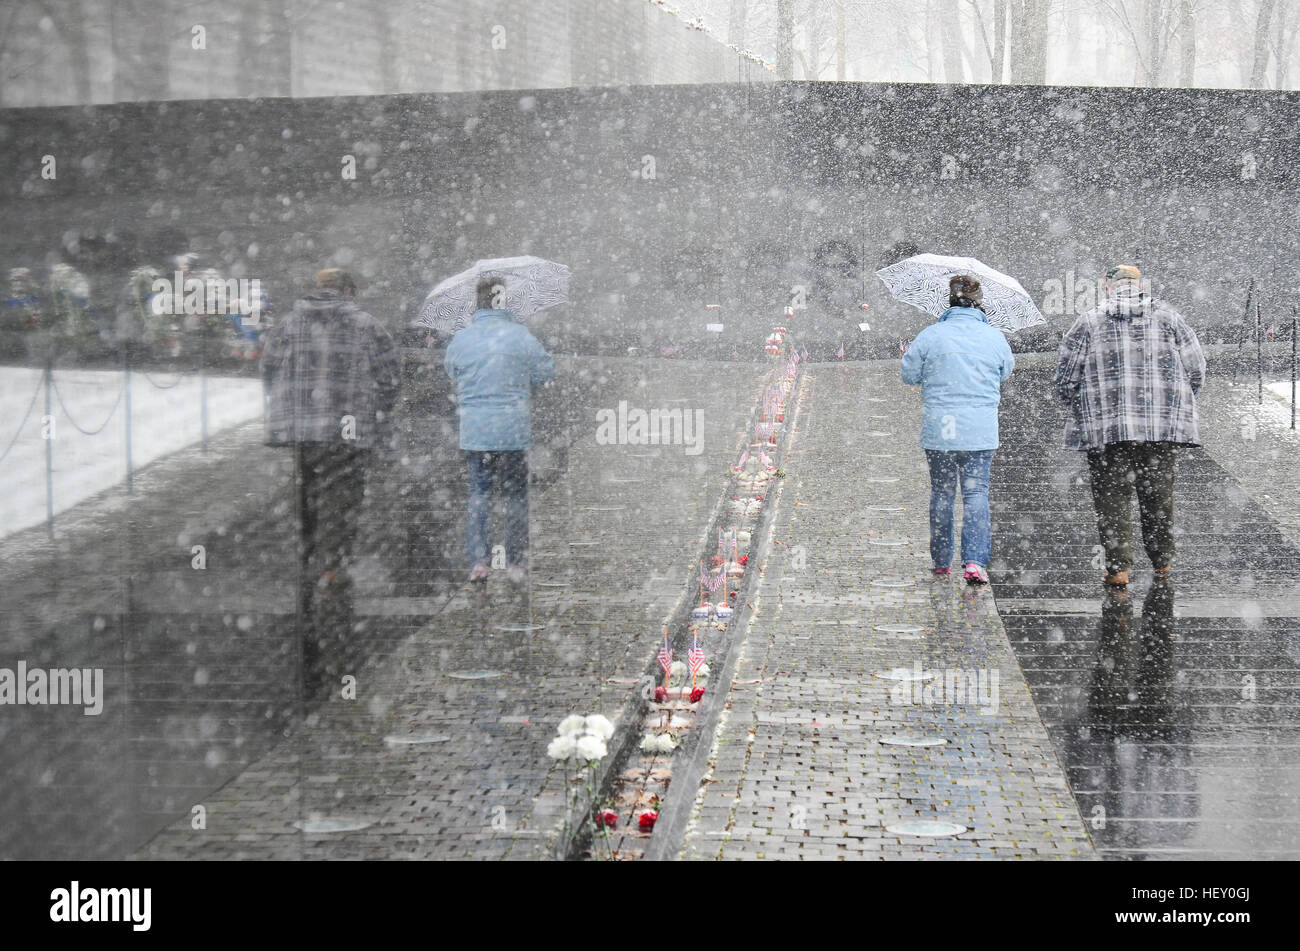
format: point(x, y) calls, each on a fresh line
point(803, 765)
point(1174, 710)
point(806, 762)
point(487, 681)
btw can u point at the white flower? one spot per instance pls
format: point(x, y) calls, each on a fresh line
point(572, 724)
point(590, 747)
point(677, 671)
point(702, 675)
point(562, 747)
point(600, 726)
point(649, 743)
point(666, 743)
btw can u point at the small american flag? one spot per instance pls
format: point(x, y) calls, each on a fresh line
point(666, 657)
point(839, 354)
point(695, 656)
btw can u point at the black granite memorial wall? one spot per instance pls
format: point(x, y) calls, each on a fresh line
point(665, 200)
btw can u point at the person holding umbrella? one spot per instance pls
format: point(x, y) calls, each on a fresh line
point(494, 363)
point(960, 363)
point(1128, 371)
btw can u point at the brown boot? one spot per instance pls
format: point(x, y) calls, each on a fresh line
point(1117, 579)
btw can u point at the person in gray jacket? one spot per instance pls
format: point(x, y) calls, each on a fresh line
point(1128, 372)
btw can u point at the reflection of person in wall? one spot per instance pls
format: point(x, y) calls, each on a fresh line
point(494, 363)
point(332, 374)
point(1135, 739)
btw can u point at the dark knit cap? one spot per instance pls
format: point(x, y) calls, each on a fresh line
point(964, 291)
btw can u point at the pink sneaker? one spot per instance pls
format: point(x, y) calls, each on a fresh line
point(942, 572)
point(975, 574)
point(480, 572)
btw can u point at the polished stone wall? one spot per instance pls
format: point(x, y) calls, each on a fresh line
point(665, 200)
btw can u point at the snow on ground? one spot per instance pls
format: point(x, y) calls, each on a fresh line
point(1282, 391)
point(162, 421)
point(1278, 409)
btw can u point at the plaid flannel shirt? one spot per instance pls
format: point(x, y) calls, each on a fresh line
point(1129, 371)
point(326, 361)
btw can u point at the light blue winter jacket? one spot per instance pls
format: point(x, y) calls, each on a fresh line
point(960, 364)
point(495, 362)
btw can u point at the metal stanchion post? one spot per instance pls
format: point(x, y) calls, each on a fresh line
point(203, 403)
point(1241, 335)
point(48, 432)
point(126, 393)
point(1259, 353)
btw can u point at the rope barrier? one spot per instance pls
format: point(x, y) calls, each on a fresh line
point(86, 432)
point(26, 416)
point(160, 386)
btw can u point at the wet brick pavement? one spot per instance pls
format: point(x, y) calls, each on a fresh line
point(486, 681)
point(1173, 710)
point(1171, 718)
point(801, 767)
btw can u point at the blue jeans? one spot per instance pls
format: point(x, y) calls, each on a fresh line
point(976, 528)
point(509, 470)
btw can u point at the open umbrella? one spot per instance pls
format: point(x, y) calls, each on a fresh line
point(532, 285)
point(922, 281)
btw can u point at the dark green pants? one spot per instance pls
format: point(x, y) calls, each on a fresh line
point(1117, 471)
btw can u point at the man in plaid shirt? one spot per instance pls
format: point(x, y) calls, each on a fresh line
point(1129, 372)
point(331, 373)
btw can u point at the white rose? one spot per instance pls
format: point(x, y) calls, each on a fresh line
point(600, 726)
point(649, 743)
point(590, 747)
point(572, 724)
point(562, 747)
point(666, 743)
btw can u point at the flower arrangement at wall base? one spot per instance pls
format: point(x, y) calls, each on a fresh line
point(579, 745)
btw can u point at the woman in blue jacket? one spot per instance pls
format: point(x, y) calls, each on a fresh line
point(960, 363)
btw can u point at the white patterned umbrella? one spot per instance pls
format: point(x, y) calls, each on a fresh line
point(532, 285)
point(922, 281)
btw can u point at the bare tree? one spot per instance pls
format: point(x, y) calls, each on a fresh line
point(1029, 41)
point(141, 58)
point(841, 40)
point(1263, 16)
point(999, 61)
point(816, 56)
point(736, 23)
point(949, 26)
point(785, 39)
point(995, 48)
point(1283, 44)
point(1187, 51)
point(1152, 26)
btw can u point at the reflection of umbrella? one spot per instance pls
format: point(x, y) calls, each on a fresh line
point(532, 285)
point(922, 281)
